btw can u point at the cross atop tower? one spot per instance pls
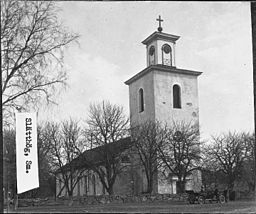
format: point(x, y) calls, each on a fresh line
point(159, 20)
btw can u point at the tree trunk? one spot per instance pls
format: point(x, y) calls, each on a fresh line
point(110, 190)
point(251, 186)
point(180, 186)
point(149, 183)
point(150, 187)
point(231, 182)
point(70, 193)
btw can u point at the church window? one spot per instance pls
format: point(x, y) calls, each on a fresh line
point(152, 55)
point(78, 187)
point(166, 55)
point(141, 100)
point(85, 185)
point(152, 51)
point(94, 184)
point(176, 97)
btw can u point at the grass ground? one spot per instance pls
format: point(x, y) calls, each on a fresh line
point(156, 207)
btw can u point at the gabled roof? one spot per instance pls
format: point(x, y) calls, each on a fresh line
point(96, 155)
point(164, 68)
point(159, 35)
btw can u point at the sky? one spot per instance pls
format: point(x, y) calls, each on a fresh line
point(215, 38)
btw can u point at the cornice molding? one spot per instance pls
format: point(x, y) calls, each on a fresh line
point(159, 35)
point(163, 68)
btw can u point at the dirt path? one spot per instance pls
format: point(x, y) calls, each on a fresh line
point(160, 207)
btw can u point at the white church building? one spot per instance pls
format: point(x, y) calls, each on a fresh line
point(160, 92)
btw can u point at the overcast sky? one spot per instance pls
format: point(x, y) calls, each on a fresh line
point(215, 39)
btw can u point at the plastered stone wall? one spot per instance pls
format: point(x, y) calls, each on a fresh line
point(80, 188)
point(163, 97)
point(123, 183)
point(138, 178)
point(197, 180)
point(164, 112)
point(158, 99)
point(149, 112)
point(165, 185)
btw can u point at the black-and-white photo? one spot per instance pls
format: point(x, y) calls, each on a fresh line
point(134, 107)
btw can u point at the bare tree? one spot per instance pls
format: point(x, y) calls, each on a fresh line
point(211, 173)
point(65, 144)
point(180, 153)
point(9, 162)
point(228, 153)
point(148, 137)
point(248, 171)
point(107, 124)
point(9, 157)
point(46, 176)
point(32, 44)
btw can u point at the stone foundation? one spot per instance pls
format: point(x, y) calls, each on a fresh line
point(103, 199)
point(106, 199)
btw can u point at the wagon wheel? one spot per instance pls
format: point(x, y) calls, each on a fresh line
point(222, 199)
point(200, 199)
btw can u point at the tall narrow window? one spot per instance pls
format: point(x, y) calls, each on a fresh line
point(176, 97)
point(78, 187)
point(94, 184)
point(141, 100)
point(152, 55)
point(85, 185)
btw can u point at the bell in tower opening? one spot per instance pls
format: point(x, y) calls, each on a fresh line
point(152, 55)
point(167, 55)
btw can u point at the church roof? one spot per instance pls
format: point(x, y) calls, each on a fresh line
point(95, 155)
point(159, 35)
point(163, 68)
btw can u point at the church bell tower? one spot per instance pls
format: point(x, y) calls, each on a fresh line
point(160, 47)
point(162, 91)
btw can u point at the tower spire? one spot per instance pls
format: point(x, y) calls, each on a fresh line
point(159, 20)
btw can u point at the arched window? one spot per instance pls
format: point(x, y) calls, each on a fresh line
point(151, 55)
point(176, 97)
point(85, 185)
point(166, 55)
point(78, 187)
point(94, 184)
point(141, 100)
